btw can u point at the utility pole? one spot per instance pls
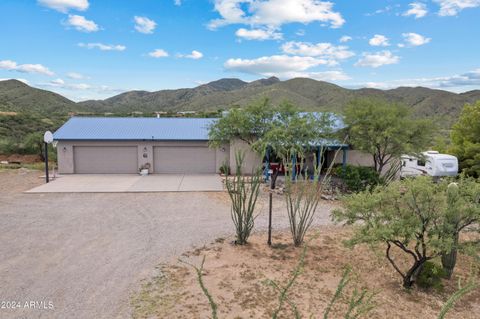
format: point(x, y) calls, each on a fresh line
point(272, 187)
point(47, 177)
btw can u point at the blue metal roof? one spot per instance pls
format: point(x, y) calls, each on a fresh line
point(134, 128)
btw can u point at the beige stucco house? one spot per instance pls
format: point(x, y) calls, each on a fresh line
point(163, 145)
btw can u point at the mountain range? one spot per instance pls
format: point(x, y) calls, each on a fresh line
point(307, 94)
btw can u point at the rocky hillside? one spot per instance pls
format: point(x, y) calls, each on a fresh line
point(308, 94)
point(16, 96)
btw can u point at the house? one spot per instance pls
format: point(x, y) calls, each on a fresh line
point(106, 145)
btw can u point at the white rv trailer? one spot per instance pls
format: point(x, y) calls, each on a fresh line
point(430, 163)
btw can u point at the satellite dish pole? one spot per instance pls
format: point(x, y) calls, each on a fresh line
point(47, 139)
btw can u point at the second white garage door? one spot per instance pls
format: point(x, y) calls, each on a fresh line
point(105, 159)
point(191, 160)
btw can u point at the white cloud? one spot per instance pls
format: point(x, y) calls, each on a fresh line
point(81, 24)
point(144, 25)
point(283, 66)
point(24, 68)
point(379, 40)
point(275, 13)
point(258, 34)
point(417, 9)
point(453, 7)
point(300, 32)
point(195, 55)
point(76, 76)
point(177, 2)
point(57, 82)
point(465, 79)
point(345, 38)
point(454, 82)
point(415, 39)
point(60, 84)
point(65, 5)
point(103, 47)
point(328, 76)
point(326, 51)
point(386, 9)
point(377, 59)
point(158, 53)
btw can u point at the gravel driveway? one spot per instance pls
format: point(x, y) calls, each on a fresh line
point(84, 254)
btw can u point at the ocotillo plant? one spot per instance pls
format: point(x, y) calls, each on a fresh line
point(243, 192)
point(302, 196)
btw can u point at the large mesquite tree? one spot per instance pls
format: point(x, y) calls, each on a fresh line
point(282, 128)
point(466, 139)
point(385, 130)
point(407, 216)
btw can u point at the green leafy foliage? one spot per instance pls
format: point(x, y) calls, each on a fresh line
point(407, 215)
point(358, 178)
point(431, 276)
point(385, 130)
point(291, 132)
point(23, 133)
point(281, 128)
point(246, 124)
point(466, 139)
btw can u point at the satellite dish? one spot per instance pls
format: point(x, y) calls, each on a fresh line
point(48, 137)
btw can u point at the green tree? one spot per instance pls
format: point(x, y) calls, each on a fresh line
point(385, 130)
point(407, 215)
point(284, 129)
point(247, 124)
point(34, 144)
point(466, 139)
point(292, 132)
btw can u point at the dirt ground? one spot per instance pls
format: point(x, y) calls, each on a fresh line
point(24, 159)
point(236, 278)
point(88, 253)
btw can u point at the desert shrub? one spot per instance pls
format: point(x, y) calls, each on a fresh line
point(431, 276)
point(243, 192)
point(225, 169)
point(358, 178)
point(406, 215)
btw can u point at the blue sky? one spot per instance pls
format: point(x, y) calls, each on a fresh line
point(87, 49)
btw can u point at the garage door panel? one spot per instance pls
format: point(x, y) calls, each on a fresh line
point(105, 159)
point(179, 159)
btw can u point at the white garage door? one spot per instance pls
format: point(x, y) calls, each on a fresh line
point(193, 160)
point(105, 159)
